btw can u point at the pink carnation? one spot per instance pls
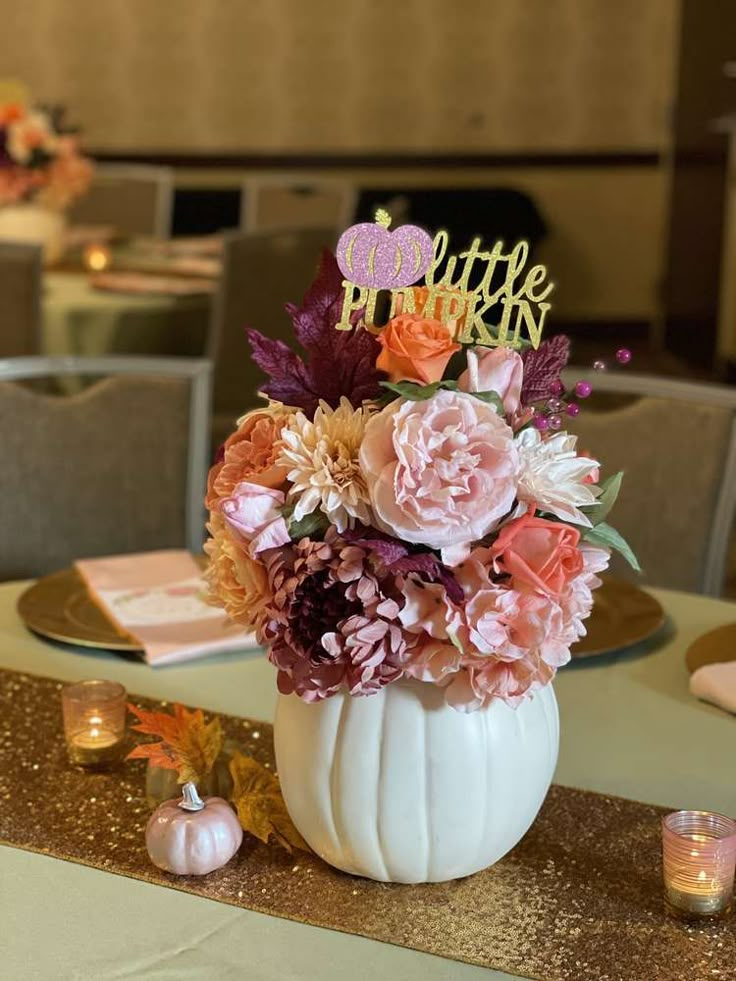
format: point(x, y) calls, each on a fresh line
point(441, 471)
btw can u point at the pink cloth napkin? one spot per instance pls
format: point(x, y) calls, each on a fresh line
point(716, 683)
point(158, 598)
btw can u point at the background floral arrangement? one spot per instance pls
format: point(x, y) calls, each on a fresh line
point(406, 505)
point(39, 158)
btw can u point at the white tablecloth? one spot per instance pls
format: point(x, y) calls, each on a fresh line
point(629, 726)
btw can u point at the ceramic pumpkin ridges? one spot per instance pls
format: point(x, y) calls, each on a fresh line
point(400, 787)
point(193, 836)
point(368, 254)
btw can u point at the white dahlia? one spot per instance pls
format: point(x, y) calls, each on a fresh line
point(553, 476)
point(322, 457)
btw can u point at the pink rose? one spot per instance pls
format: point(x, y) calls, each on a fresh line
point(497, 370)
point(441, 471)
point(538, 554)
point(252, 514)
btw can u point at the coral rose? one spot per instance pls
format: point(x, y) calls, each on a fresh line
point(415, 348)
point(250, 453)
point(539, 554)
point(498, 370)
point(441, 471)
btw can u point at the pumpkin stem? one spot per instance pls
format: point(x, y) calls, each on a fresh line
point(383, 218)
point(190, 799)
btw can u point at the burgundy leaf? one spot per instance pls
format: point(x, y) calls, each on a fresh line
point(397, 558)
point(338, 363)
point(289, 377)
point(388, 550)
point(429, 566)
point(542, 367)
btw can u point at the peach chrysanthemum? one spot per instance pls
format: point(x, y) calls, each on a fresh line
point(236, 582)
point(322, 457)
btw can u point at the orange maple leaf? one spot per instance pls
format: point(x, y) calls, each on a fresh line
point(188, 744)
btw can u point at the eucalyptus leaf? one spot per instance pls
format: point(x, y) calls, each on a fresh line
point(609, 491)
point(308, 525)
point(608, 537)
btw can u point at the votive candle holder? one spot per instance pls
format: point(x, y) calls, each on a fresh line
point(96, 258)
point(699, 858)
point(94, 722)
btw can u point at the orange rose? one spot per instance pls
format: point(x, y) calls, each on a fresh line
point(421, 296)
point(250, 454)
point(415, 349)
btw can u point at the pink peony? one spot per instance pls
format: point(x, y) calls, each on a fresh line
point(538, 554)
point(332, 622)
point(441, 471)
point(253, 516)
point(499, 370)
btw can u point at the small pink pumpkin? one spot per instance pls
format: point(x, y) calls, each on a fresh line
point(192, 836)
point(369, 254)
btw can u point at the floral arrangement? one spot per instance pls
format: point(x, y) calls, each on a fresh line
point(39, 157)
point(408, 505)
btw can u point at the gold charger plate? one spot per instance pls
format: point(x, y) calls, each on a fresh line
point(623, 615)
point(715, 647)
point(60, 607)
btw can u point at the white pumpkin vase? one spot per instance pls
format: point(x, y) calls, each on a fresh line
point(401, 787)
point(34, 225)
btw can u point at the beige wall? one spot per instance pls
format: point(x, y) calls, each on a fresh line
point(373, 75)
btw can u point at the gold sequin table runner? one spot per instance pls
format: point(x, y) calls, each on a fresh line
point(579, 899)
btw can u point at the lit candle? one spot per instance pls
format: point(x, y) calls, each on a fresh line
point(94, 722)
point(96, 258)
point(699, 856)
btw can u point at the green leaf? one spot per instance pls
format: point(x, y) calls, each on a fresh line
point(417, 393)
point(306, 527)
point(608, 537)
point(492, 398)
point(609, 490)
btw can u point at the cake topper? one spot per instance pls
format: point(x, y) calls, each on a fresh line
point(507, 307)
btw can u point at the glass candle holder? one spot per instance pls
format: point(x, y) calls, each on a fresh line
point(94, 722)
point(699, 857)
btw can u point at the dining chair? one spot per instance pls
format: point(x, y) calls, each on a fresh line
point(261, 273)
point(119, 467)
point(133, 198)
point(286, 201)
point(20, 289)
point(676, 442)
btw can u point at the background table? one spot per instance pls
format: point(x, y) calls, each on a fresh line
point(629, 726)
point(80, 320)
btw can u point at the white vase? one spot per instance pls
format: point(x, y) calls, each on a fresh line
point(401, 787)
point(35, 225)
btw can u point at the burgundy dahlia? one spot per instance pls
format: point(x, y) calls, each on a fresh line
point(333, 621)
